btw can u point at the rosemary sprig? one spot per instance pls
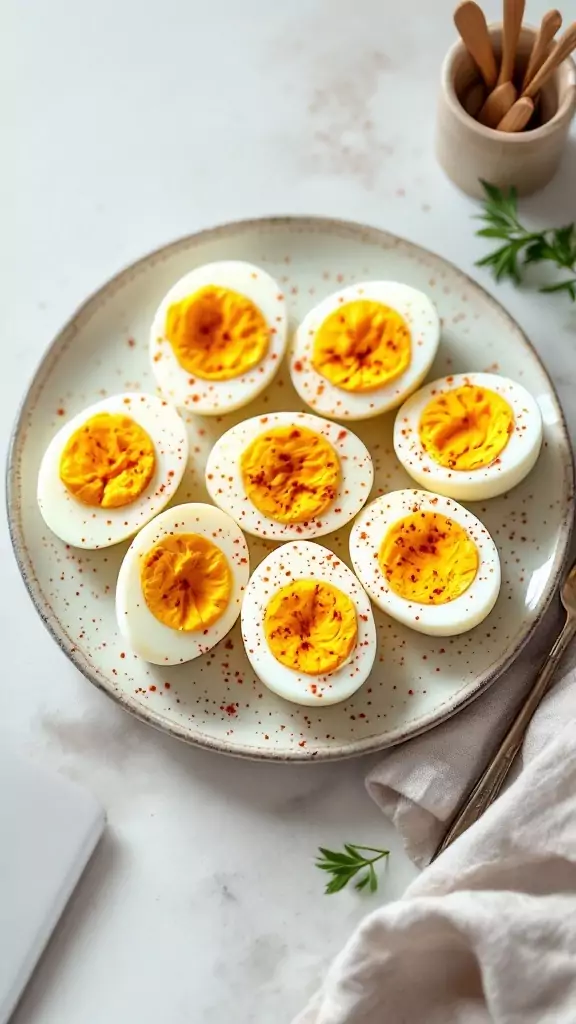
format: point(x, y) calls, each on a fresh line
point(554, 245)
point(345, 866)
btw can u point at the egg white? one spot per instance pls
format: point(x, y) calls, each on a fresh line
point(327, 399)
point(512, 464)
point(226, 487)
point(86, 526)
point(451, 618)
point(212, 397)
point(306, 560)
point(151, 639)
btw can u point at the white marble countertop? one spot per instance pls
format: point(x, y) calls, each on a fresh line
point(130, 124)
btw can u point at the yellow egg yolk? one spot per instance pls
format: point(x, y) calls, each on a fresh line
point(361, 346)
point(311, 627)
point(186, 582)
point(108, 462)
point(466, 428)
point(428, 558)
point(291, 474)
point(216, 333)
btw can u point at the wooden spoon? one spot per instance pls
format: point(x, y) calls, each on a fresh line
point(513, 15)
point(504, 95)
point(549, 26)
point(471, 24)
point(498, 103)
point(566, 44)
point(518, 116)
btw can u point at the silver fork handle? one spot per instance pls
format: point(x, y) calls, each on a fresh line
point(492, 779)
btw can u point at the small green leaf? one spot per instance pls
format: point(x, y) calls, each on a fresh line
point(538, 251)
point(336, 884)
point(352, 850)
point(345, 866)
point(554, 245)
point(492, 191)
point(500, 232)
point(493, 257)
point(374, 849)
point(562, 286)
point(339, 858)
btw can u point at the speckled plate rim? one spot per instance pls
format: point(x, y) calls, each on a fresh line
point(67, 645)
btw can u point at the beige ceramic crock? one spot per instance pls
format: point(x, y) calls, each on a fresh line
point(468, 151)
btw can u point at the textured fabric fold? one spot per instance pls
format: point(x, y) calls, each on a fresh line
point(487, 933)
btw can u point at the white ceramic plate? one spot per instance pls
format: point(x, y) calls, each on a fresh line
point(216, 701)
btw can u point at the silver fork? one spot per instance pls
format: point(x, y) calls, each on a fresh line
point(492, 779)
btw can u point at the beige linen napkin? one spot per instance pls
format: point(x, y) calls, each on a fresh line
point(419, 785)
point(487, 933)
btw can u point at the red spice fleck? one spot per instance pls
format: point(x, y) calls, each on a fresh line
point(411, 692)
point(229, 645)
point(131, 342)
point(302, 743)
point(60, 412)
point(166, 686)
point(122, 655)
point(230, 709)
point(152, 688)
point(298, 366)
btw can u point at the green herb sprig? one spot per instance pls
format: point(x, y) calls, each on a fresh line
point(345, 866)
point(521, 247)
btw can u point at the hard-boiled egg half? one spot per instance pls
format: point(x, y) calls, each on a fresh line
point(307, 625)
point(289, 475)
point(218, 337)
point(426, 561)
point(364, 349)
point(471, 436)
point(181, 583)
point(111, 468)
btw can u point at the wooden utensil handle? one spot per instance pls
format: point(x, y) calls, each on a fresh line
point(513, 15)
point(518, 116)
point(566, 44)
point(471, 24)
point(497, 105)
point(551, 22)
